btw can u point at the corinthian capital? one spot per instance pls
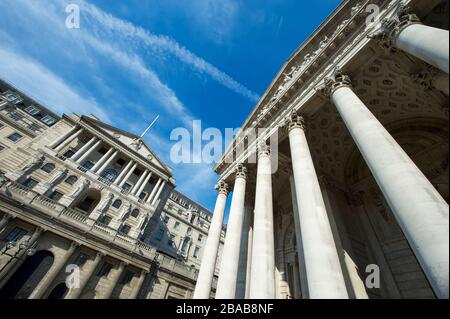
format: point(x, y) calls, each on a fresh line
point(241, 171)
point(263, 149)
point(336, 81)
point(222, 188)
point(296, 121)
point(393, 26)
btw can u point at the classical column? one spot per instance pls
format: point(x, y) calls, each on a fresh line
point(158, 194)
point(138, 184)
point(69, 140)
point(226, 286)
point(420, 210)
point(144, 183)
point(429, 44)
point(127, 176)
point(262, 281)
point(123, 172)
point(114, 280)
point(85, 147)
point(44, 285)
point(64, 137)
point(21, 256)
point(75, 293)
point(108, 162)
point(249, 255)
point(206, 274)
point(5, 219)
point(138, 285)
point(323, 269)
point(102, 160)
point(154, 190)
point(89, 152)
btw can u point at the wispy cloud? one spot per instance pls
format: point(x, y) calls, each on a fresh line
point(59, 96)
point(140, 36)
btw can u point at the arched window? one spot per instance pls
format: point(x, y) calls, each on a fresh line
point(117, 204)
point(48, 168)
point(189, 231)
point(135, 213)
point(110, 175)
point(71, 180)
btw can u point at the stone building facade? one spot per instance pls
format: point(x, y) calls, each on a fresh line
point(82, 205)
point(354, 190)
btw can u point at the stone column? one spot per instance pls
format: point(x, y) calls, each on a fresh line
point(89, 152)
point(128, 175)
point(144, 183)
point(45, 284)
point(420, 210)
point(84, 149)
point(138, 285)
point(138, 184)
point(159, 193)
point(114, 280)
point(323, 269)
point(102, 160)
point(4, 221)
point(75, 293)
point(64, 137)
point(68, 140)
point(108, 162)
point(20, 257)
point(123, 172)
point(207, 268)
point(154, 190)
point(426, 43)
point(262, 282)
point(226, 286)
point(249, 255)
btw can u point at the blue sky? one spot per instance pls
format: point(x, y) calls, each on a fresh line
point(205, 60)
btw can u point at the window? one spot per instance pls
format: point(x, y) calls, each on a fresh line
point(110, 175)
point(137, 172)
point(166, 219)
point(13, 98)
point(15, 235)
point(48, 120)
point(189, 231)
point(34, 127)
point(1, 125)
point(56, 196)
point(1, 147)
point(33, 110)
point(126, 187)
point(196, 251)
point(30, 183)
point(125, 229)
point(105, 220)
point(142, 195)
point(135, 213)
point(103, 150)
point(176, 226)
point(200, 237)
point(104, 270)
point(86, 204)
point(117, 204)
point(160, 234)
point(88, 165)
point(48, 168)
point(15, 137)
point(184, 245)
point(171, 242)
point(71, 180)
point(69, 153)
point(121, 162)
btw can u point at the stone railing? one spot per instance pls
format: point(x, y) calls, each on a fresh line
point(73, 217)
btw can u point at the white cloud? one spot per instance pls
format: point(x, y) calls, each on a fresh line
point(138, 36)
point(46, 86)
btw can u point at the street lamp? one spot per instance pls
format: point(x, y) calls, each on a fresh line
point(30, 251)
